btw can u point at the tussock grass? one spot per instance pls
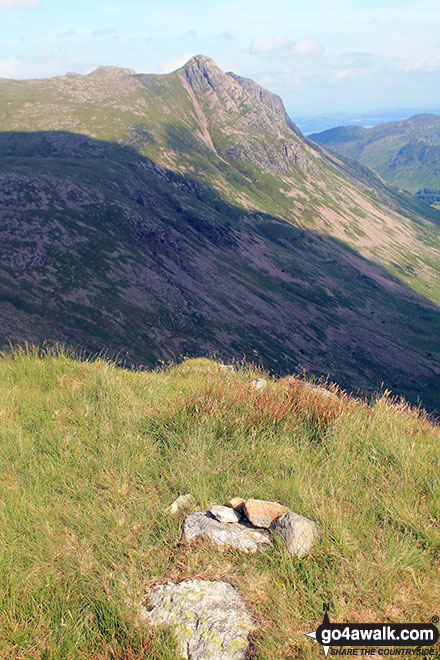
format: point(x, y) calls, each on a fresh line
point(92, 454)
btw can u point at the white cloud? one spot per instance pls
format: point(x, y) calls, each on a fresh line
point(175, 62)
point(285, 47)
point(412, 64)
point(8, 5)
point(354, 73)
point(42, 65)
point(280, 80)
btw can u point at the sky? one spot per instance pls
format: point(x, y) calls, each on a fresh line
point(320, 56)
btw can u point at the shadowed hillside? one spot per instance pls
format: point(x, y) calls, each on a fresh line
point(159, 216)
point(104, 250)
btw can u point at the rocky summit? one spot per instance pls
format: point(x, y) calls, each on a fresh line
point(152, 217)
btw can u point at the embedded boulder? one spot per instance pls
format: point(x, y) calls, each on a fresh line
point(210, 619)
point(236, 535)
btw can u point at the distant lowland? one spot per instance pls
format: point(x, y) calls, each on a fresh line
point(152, 217)
point(405, 153)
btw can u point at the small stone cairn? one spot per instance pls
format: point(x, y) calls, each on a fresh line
point(246, 524)
point(210, 619)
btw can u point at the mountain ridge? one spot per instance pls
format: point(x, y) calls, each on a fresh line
point(161, 215)
point(405, 153)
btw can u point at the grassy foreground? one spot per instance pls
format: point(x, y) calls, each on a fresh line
point(91, 455)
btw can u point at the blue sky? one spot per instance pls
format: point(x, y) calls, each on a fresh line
point(319, 55)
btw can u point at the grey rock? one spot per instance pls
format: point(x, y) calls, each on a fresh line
point(237, 535)
point(210, 619)
point(259, 384)
point(182, 502)
point(227, 367)
point(203, 73)
point(225, 514)
point(269, 99)
point(297, 533)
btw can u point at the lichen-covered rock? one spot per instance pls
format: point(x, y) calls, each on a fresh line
point(237, 535)
point(225, 514)
point(210, 619)
point(262, 513)
point(297, 533)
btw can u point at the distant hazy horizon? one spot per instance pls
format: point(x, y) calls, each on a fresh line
point(315, 122)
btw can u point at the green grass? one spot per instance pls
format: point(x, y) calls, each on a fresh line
point(92, 454)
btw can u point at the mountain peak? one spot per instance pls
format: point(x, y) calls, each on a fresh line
point(202, 62)
point(201, 71)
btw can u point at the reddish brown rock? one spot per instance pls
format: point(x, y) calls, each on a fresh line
point(261, 513)
point(237, 503)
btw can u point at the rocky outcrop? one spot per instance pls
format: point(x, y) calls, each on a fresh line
point(251, 108)
point(210, 619)
point(203, 75)
point(269, 99)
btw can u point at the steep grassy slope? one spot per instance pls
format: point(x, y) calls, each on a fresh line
point(406, 153)
point(155, 216)
point(91, 455)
